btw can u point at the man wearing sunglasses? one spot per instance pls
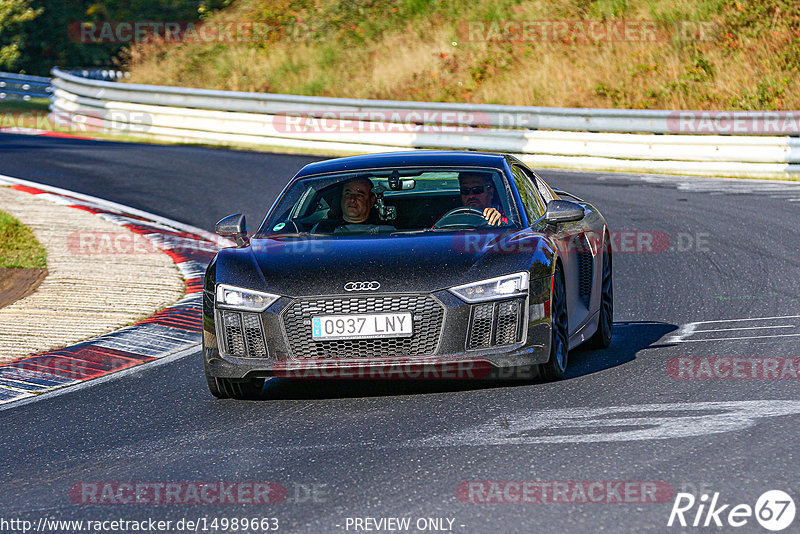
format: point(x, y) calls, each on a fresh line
point(477, 191)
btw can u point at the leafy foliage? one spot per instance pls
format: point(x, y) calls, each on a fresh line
point(42, 33)
point(14, 16)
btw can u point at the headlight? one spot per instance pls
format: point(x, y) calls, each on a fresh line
point(238, 298)
point(493, 288)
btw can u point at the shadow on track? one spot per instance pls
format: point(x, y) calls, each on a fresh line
point(629, 338)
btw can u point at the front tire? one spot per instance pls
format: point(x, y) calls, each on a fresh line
point(602, 338)
point(556, 366)
point(228, 388)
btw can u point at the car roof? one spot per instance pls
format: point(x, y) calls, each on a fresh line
point(417, 158)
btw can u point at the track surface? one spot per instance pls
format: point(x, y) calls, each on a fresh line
point(401, 449)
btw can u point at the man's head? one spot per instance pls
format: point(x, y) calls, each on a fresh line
point(477, 190)
point(357, 199)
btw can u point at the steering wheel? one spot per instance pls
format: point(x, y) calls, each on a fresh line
point(461, 216)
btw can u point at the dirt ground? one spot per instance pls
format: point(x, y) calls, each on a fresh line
point(18, 283)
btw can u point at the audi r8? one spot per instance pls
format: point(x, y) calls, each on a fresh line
point(424, 258)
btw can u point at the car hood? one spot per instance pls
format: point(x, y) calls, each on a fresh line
point(304, 266)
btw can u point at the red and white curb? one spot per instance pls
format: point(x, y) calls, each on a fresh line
point(20, 130)
point(175, 330)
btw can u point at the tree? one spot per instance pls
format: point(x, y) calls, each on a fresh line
point(14, 14)
point(49, 42)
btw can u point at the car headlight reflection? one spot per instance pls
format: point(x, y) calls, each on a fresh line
point(494, 288)
point(238, 298)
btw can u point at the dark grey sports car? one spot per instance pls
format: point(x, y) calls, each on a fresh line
point(423, 264)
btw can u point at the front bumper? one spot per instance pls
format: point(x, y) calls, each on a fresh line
point(449, 357)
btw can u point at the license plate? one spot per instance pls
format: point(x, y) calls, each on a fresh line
point(361, 326)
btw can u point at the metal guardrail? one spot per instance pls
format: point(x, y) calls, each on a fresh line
point(99, 74)
point(495, 116)
point(542, 136)
point(23, 86)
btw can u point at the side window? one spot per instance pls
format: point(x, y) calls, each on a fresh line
point(544, 189)
point(532, 201)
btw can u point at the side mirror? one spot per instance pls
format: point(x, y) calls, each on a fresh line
point(559, 211)
point(233, 226)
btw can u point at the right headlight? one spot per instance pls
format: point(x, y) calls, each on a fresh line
point(509, 285)
point(239, 298)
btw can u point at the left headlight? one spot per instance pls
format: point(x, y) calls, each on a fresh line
point(239, 298)
point(494, 288)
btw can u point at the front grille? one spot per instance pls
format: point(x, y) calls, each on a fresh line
point(495, 323)
point(427, 315)
point(242, 335)
point(585, 277)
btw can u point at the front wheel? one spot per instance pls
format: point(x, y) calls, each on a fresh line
point(227, 388)
point(556, 366)
point(602, 338)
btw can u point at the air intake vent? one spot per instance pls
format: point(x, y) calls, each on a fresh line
point(480, 333)
point(243, 335)
point(508, 318)
point(495, 323)
point(585, 261)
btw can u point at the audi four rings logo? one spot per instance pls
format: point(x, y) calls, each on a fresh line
point(362, 286)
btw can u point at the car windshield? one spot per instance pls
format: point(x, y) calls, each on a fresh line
point(393, 200)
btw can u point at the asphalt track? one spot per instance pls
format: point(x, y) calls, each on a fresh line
point(401, 449)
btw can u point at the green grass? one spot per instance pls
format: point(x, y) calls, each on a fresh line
point(34, 104)
point(18, 246)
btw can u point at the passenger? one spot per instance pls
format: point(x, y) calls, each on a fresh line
point(477, 191)
point(357, 201)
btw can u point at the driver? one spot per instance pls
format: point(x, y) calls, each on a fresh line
point(477, 191)
point(357, 201)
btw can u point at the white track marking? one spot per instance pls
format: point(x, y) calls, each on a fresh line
point(734, 338)
point(683, 332)
point(616, 423)
point(778, 189)
point(686, 332)
point(746, 328)
point(749, 319)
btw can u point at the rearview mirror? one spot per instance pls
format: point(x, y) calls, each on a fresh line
point(559, 211)
point(233, 226)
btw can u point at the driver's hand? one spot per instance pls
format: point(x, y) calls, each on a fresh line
point(493, 216)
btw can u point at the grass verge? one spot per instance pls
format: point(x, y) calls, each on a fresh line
point(18, 246)
point(38, 105)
